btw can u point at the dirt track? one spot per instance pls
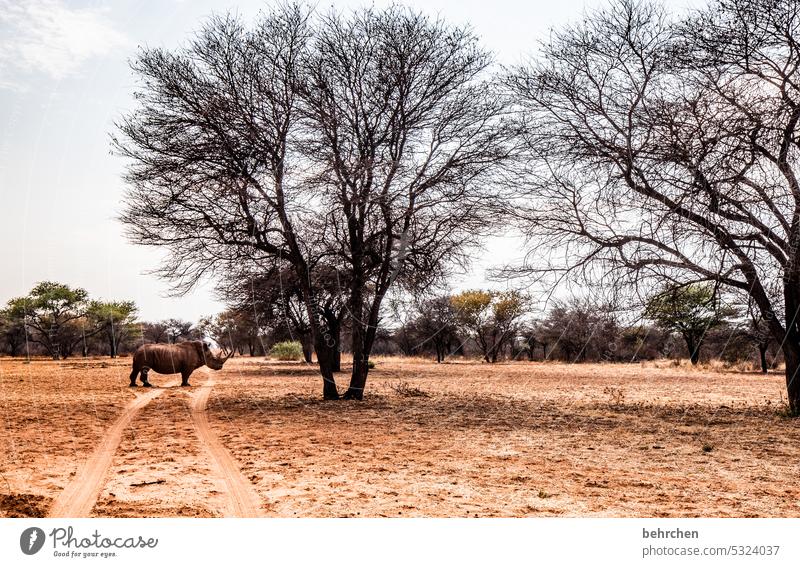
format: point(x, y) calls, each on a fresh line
point(244, 502)
point(79, 496)
point(462, 439)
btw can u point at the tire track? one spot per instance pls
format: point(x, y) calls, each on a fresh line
point(80, 495)
point(243, 500)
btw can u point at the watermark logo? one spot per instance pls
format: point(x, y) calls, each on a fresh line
point(31, 540)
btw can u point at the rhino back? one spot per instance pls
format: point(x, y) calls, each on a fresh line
point(167, 358)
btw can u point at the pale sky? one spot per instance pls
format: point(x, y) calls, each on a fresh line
point(64, 79)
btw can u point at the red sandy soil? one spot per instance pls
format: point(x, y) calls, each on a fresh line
point(459, 439)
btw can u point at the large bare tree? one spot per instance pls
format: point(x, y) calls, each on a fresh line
point(405, 135)
point(666, 149)
point(364, 140)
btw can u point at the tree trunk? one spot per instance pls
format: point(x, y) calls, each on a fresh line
point(693, 347)
point(337, 359)
point(335, 328)
point(791, 343)
point(364, 333)
point(358, 378)
point(791, 354)
point(762, 351)
point(324, 354)
point(325, 362)
point(112, 346)
point(322, 346)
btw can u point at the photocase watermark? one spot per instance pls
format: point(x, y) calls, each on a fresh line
point(66, 543)
point(31, 540)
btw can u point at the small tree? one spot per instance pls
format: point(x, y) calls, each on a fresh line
point(57, 316)
point(168, 331)
point(578, 330)
point(528, 340)
point(12, 330)
point(178, 330)
point(233, 330)
point(434, 328)
point(758, 333)
point(115, 320)
point(641, 342)
point(691, 310)
point(489, 317)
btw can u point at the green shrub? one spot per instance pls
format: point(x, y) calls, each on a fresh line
point(287, 350)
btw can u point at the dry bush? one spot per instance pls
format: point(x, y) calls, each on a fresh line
point(406, 390)
point(616, 397)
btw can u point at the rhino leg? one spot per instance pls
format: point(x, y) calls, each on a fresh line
point(134, 376)
point(145, 383)
point(185, 378)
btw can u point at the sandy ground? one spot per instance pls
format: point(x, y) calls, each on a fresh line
point(458, 439)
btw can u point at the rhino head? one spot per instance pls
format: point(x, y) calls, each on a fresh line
point(214, 362)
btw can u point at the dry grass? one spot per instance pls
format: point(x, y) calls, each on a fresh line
point(458, 439)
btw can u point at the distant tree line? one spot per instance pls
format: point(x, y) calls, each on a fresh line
point(60, 321)
point(691, 322)
point(676, 322)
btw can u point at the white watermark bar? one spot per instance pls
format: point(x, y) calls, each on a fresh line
point(346, 542)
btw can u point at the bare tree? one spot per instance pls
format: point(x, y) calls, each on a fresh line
point(432, 328)
point(663, 150)
point(367, 138)
point(153, 332)
point(578, 330)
